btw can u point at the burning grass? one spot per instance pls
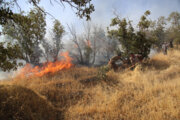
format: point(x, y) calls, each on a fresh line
point(150, 92)
point(49, 67)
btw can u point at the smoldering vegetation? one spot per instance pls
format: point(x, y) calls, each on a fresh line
point(150, 91)
point(71, 75)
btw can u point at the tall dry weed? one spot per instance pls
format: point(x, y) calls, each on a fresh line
point(149, 92)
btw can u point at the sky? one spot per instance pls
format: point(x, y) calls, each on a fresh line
point(133, 9)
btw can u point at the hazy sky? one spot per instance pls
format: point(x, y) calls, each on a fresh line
point(133, 9)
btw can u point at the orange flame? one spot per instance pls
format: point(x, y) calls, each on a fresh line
point(88, 43)
point(49, 67)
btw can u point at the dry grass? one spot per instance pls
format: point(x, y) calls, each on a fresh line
point(19, 103)
point(150, 92)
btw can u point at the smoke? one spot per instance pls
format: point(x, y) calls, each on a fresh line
point(8, 75)
point(4, 75)
point(12, 73)
point(152, 53)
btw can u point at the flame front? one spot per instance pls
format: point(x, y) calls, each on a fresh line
point(49, 67)
point(88, 43)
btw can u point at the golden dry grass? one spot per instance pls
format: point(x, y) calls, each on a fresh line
point(150, 92)
point(19, 103)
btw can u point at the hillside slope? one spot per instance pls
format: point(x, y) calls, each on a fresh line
point(150, 92)
point(19, 103)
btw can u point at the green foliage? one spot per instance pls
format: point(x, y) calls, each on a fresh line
point(144, 23)
point(9, 55)
point(174, 30)
point(37, 25)
point(83, 10)
point(58, 32)
point(159, 32)
point(102, 72)
point(58, 29)
point(5, 12)
point(130, 40)
point(52, 49)
point(38, 31)
point(174, 18)
point(28, 31)
point(174, 34)
point(83, 7)
point(124, 33)
point(142, 44)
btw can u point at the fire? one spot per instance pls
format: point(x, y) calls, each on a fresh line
point(49, 67)
point(88, 43)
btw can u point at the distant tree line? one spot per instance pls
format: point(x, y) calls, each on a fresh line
point(150, 34)
point(27, 31)
point(26, 36)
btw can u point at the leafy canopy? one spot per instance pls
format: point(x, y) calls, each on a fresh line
point(132, 41)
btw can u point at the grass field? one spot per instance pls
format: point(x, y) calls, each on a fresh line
point(149, 92)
